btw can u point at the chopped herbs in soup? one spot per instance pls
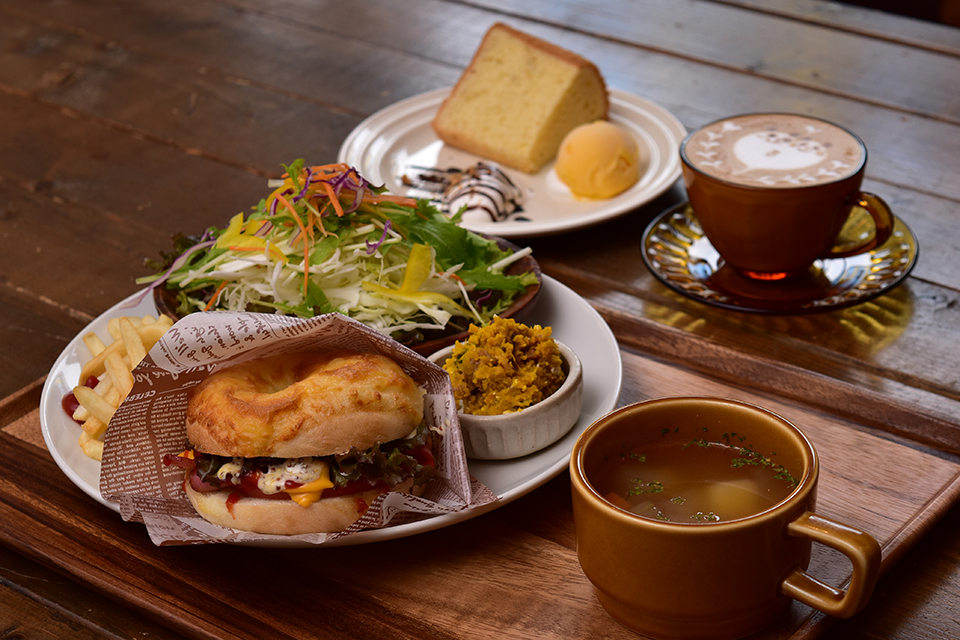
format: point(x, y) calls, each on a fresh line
point(693, 482)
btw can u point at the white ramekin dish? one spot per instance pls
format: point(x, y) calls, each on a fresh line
point(512, 435)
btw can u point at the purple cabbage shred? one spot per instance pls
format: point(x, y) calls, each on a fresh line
point(371, 247)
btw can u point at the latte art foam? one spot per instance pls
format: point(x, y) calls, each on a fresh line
point(779, 150)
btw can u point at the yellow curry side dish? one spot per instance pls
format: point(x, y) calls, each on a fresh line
point(504, 367)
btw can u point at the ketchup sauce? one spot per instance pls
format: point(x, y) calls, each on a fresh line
point(69, 401)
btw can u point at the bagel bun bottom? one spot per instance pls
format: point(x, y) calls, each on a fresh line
point(286, 517)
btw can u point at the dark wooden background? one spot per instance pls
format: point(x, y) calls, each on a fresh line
point(123, 122)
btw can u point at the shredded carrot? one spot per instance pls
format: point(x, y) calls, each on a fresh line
point(306, 241)
point(327, 171)
point(332, 169)
point(292, 211)
point(216, 294)
point(334, 200)
point(388, 197)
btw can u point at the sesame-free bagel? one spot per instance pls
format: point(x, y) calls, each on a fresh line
point(303, 404)
point(282, 517)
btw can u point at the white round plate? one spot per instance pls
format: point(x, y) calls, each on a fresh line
point(60, 431)
point(574, 323)
point(384, 147)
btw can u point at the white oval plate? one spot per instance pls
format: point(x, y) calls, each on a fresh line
point(386, 144)
point(574, 323)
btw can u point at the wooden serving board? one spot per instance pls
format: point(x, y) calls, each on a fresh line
point(505, 573)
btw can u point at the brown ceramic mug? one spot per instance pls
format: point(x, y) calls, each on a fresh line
point(773, 191)
point(703, 579)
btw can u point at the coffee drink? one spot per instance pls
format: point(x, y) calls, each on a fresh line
point(775, 151)
point(772, 192)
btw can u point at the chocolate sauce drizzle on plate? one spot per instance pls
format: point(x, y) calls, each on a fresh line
point(480, 188)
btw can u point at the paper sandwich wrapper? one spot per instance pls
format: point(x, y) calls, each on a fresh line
point(151, 423)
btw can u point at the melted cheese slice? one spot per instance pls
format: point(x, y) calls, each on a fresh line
point(305, 495)
point(314, 475)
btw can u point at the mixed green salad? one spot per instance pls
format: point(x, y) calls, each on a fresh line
point(326, 240)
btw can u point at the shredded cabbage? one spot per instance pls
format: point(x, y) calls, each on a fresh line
point(325, 240)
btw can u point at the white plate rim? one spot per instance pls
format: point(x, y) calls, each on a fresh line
point(574, 321)
point(369, 145)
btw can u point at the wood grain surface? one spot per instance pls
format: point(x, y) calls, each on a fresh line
point(500, 555)
point(124, 123)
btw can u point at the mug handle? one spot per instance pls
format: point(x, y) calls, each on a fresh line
point(862, 550)
point(882, 219)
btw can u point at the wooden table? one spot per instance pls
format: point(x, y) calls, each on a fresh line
point(123, 123)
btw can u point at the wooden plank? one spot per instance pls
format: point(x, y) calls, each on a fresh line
point(832, 60)
point(925, 214)
point(919, 589)
point(164, 190)
point(881, 154)
point(36, 603)
point(33, 332)
point(91, 233)
point(198, 111)
point(934, 424)
point(120, 248)
point(882, 25)
point(121, 106)
point(906, 151)
point(901, 143)
point(73, 243)
point(397, 590)
point(872, 345)
point(898, 167)
point(322, 65)
point(876, 333)
point(181, 191)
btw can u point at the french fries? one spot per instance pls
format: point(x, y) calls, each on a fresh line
point(112, 364)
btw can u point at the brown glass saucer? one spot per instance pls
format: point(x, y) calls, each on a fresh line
point(166, 302)
point(677, 252)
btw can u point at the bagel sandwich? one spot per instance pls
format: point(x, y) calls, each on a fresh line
point(303, 442)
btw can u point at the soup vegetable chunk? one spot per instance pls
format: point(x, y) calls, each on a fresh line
point(695, 482)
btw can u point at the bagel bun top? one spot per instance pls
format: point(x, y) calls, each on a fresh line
point(303, 404)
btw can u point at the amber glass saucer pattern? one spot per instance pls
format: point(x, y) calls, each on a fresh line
point(679, 254)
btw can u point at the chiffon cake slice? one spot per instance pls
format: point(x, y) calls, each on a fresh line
point(518, 98)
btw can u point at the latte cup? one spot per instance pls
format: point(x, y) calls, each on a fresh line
point(673, 578)
point(773, 191)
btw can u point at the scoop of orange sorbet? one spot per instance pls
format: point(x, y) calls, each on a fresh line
point(598, 160)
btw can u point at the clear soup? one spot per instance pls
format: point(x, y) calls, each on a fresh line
point(696, 482)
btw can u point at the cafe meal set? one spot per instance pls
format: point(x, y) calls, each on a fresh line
point(334, 360)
